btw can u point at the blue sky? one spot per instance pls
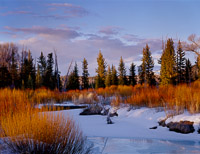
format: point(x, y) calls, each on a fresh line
point(80, 28)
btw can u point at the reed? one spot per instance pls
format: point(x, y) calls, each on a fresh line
point(36, 132)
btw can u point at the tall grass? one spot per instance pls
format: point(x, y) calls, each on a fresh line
point(175, 98)
point(18, 100)
point(26, 129)
point(42, 133)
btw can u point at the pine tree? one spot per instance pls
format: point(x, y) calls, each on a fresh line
point(49, 75)
point(42, 67)
point(31, 70)
point(180, 63)
point(38, 81)
point(101, 71)
point(30, 82)
point(22, 68)
point(85, 74)
point(122, 73)
point(108, 81)
point(114, 77)
point(14, 68)
point(73, 80)
point(132, 80)
point(146, 73)
point(76, 77)
point(188, 71)
point(5, 77)
point(57, 81)
point(27, 70)
point(168, 64)
point(141, 75)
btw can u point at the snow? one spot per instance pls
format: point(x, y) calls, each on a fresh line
point(132, 124)
point(130, 132)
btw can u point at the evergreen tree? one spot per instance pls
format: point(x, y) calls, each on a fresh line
point(27, 73)
point(85, 74)
point(146, 74)
point(22, 69)
point(180, 63)
point(122, 73)
point(114, 77)
point(188, 71)
point(38, 78)
point(49, 76)
point(57, 81)
point(132, 80)
point(42, 67)
point(5, 77)
point(14, 68)
point(76, 77)
point(73, 80)
point(168, 64)
point(30, 82)
point(141, 75)
point(101, 71)
point(31, 70)
point(108, 81)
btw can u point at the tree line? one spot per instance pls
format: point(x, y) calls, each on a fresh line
point(175, 69)
point(21, 71)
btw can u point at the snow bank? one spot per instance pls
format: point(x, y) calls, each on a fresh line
point(132, 124)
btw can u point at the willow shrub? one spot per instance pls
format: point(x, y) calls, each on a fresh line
point(36, 132)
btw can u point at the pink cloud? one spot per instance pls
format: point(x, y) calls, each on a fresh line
point(110, 30)
point(66, 11)
point(47, 32)
point(70, 9)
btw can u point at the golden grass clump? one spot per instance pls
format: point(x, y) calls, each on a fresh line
point(18, 100)
point(12, 101)
point(41, 133)
point(145, 97)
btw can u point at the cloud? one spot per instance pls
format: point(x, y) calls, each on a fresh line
point(17, 12)
point(46, 32)
point(132, 38)
point(52, 11)
point(70, 9)
point(110, 30)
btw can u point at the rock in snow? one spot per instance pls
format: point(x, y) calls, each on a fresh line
point(184, 127)
point(162, 123)
point(94, 109)
point(155, 127)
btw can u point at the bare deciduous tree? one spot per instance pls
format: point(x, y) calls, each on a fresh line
point(193, 46)
point(6, 51)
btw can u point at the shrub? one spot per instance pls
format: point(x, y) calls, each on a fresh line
point(42, 133)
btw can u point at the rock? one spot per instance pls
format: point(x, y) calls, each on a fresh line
point(162, 123)
point(113, 114)
point(184, 127)
point(93, 109)
point(109, 121)
point(198, 131)
point(155, 127)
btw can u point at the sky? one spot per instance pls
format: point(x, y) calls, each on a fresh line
point(79, 29)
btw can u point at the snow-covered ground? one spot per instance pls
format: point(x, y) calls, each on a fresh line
point(133, 124)
point(130, 132)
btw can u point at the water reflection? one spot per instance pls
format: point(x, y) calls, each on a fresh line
point(128, 146)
